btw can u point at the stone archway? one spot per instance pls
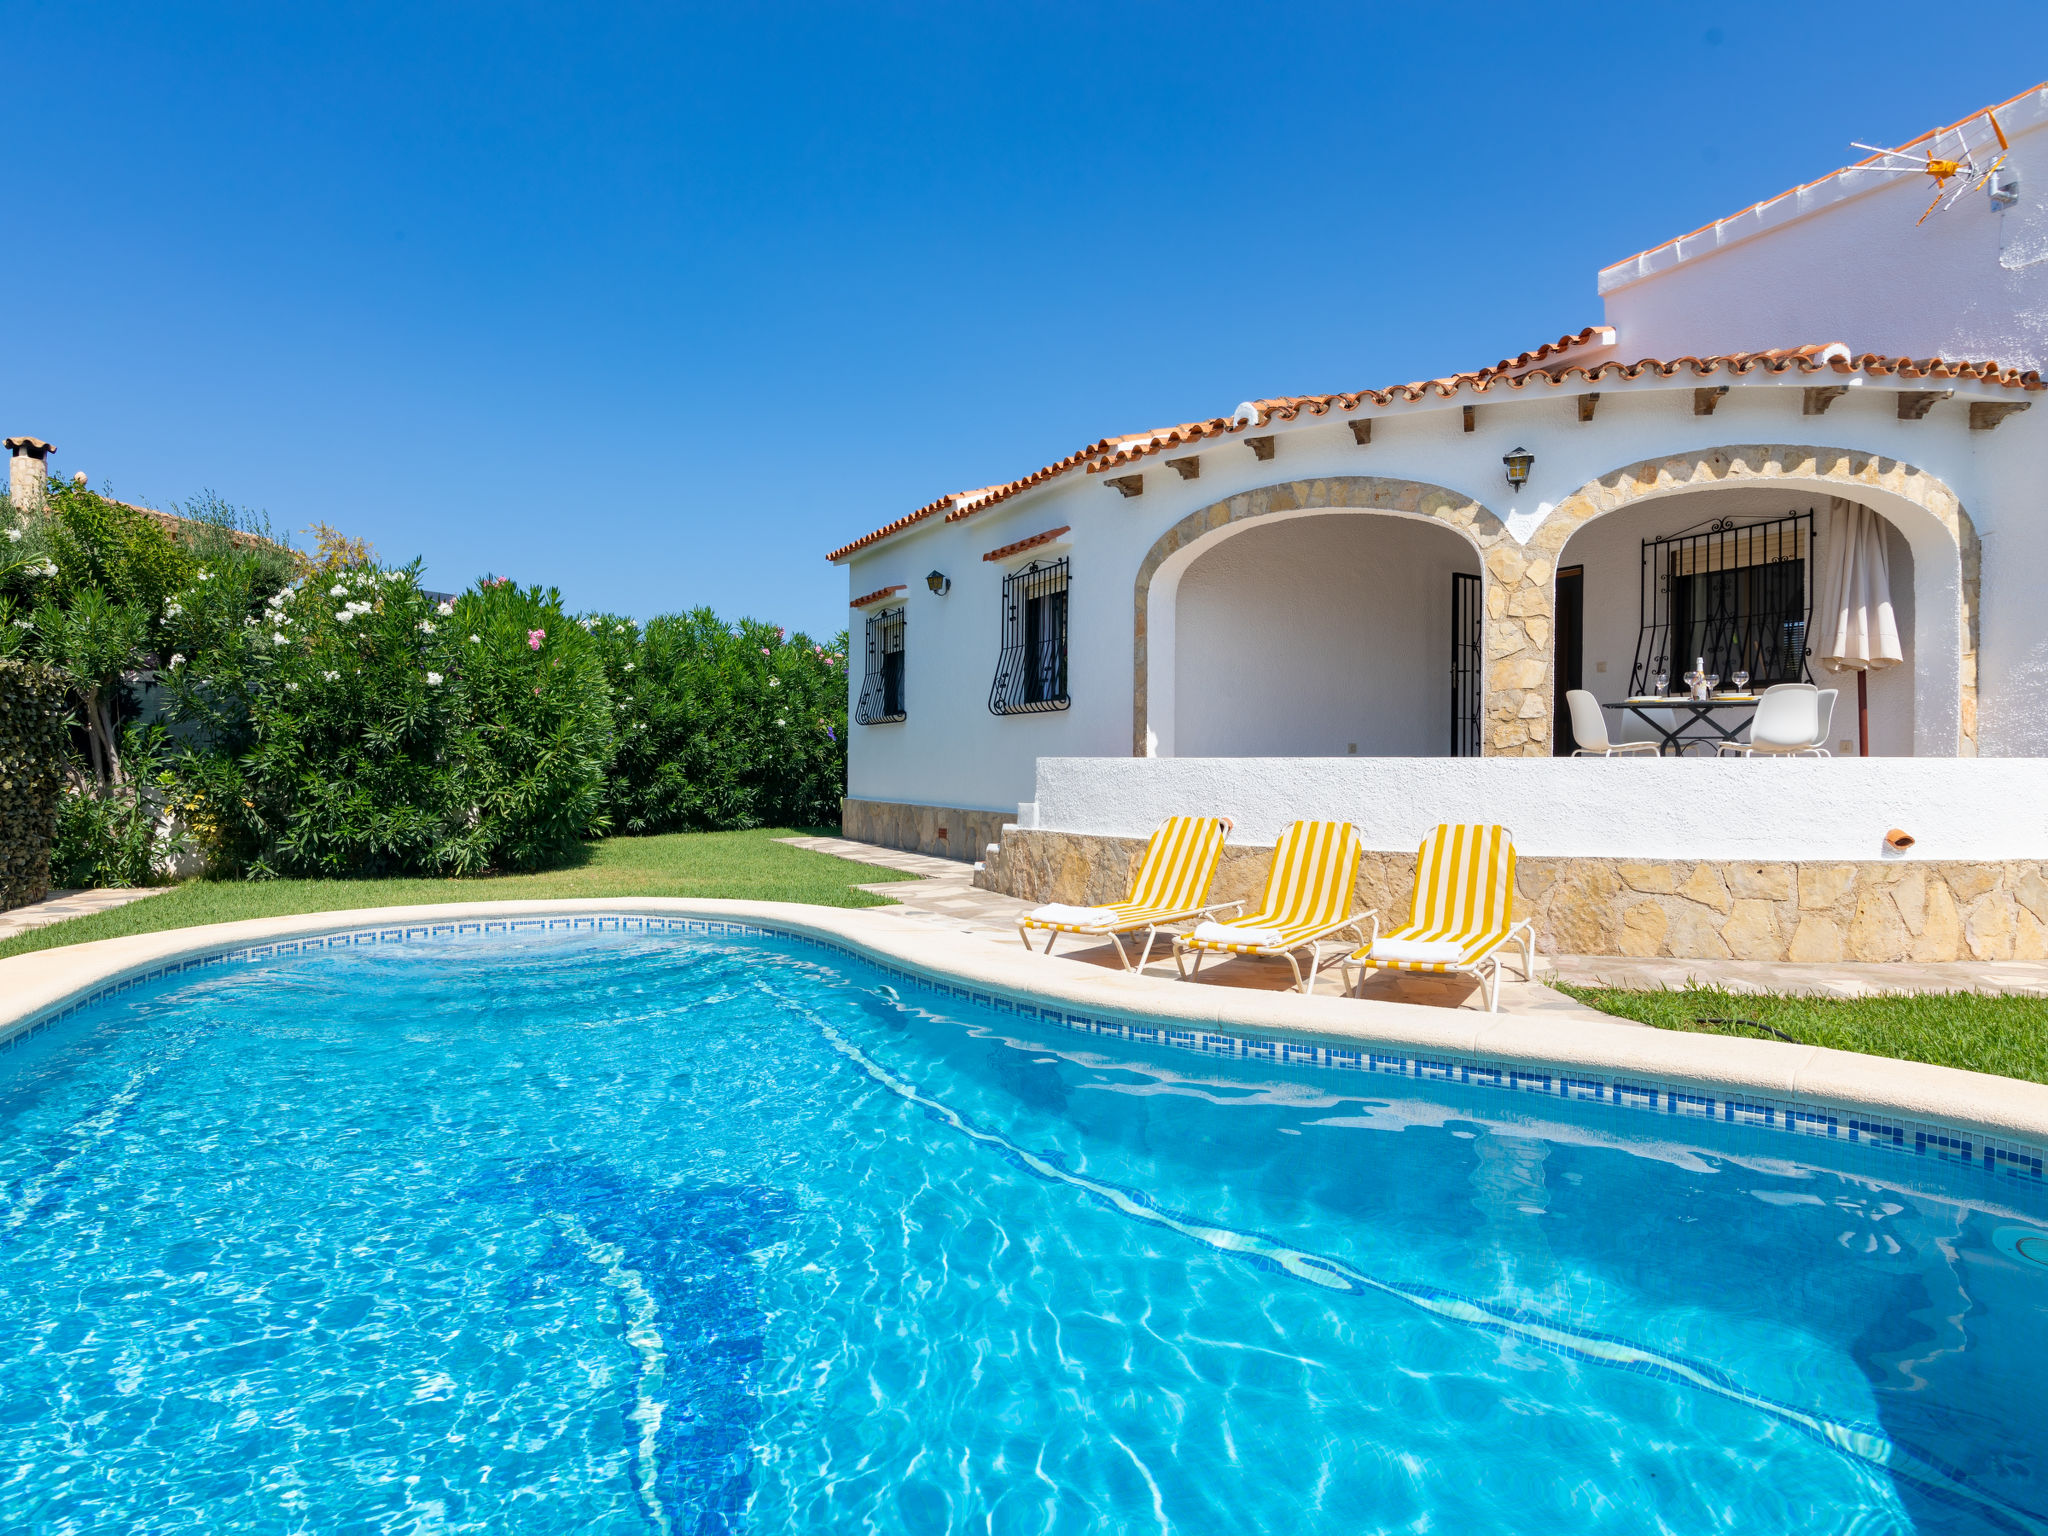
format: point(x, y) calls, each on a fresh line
point(1520, 579)
point(1363, 493)
point(1527, 585)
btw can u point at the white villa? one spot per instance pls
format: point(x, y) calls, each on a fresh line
point(1371, 605)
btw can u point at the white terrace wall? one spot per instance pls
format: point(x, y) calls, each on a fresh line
point(1680, 858)
point(1630, 808)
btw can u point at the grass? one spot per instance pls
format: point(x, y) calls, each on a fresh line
point(2007, 1036)
point(745, 865)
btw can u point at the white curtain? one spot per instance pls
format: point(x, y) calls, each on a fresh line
point(1855, 630)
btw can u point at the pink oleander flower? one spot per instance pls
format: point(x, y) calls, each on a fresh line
point(534, 638)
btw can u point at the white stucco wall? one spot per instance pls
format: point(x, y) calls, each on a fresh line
point(1655, 808)
point(1316, 636)
point(1846, 261)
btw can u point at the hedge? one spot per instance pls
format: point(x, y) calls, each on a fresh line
point(34, 707)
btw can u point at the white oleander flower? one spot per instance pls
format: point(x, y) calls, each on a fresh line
point(629, 666)
point(277, 637)
point(774, 682)
point(14, 535)
point(346, 616)
point(249, 622)
point(177, 659)
point(47, 568)
point(337, 590)
point(205, 574)
point(331, 676)
point(426, 626)
point(291, 687)
point(23, 624)
point(433, 679)
point(445, 609)
point(173, 610)
point(473, 640)
point(782, 722)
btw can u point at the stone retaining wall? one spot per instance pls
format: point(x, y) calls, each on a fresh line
point(948, 832)
point(1681, 909)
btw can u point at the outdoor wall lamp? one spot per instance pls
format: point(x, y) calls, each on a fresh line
point(1518, 463)
point(939, 582)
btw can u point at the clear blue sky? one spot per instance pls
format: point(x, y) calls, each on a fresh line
point(658, 303)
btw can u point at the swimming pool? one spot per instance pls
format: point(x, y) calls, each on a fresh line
point(632, 1231)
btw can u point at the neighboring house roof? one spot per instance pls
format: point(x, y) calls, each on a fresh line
point(1516, 373)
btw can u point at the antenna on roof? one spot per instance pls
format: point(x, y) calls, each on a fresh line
point(1965, 171)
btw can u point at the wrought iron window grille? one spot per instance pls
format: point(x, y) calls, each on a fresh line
point(1738, 595)
point(1031, 673)
point(881, 684)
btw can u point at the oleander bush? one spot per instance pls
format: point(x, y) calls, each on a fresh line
point(722, 727)
point(33, 724)
point(358, 728)
point(328, 717)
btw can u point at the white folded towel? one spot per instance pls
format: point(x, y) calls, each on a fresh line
point(1080, 917)
point(1237, 933)
point(1418, 951)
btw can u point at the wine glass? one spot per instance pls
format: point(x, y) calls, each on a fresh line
point(1692, 680)
point(1663, 683)
point(1740, 677)
point(1713, 682)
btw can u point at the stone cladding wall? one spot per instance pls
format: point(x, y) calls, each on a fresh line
point(916, 828)
point(1708, 909)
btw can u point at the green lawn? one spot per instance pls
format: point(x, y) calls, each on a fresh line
point(746, 865)
point(2004, 1035)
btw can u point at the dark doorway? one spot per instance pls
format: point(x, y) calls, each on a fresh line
point(1570, 661)
point(1466, 664)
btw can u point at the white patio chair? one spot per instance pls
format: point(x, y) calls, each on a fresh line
point(1786, 723)
point(1827, 721)
point(1589, 730)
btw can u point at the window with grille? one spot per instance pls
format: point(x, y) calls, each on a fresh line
point(1735, 595)
point(881, 685)
point(1031, 674)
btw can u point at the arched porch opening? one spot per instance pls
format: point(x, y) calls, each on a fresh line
point(1928, 704)
point(1733, 575)
point(1323, 633)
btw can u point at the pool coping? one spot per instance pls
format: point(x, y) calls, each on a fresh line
point(1825, 1084)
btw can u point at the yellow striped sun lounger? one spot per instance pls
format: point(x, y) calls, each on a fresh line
point(1463, 914)
point(1308, 897)
point(1171, 886)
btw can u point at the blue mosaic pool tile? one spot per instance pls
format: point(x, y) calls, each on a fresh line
point(1946, 1144)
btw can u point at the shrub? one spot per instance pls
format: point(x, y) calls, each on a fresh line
point(356, 728)
point(32, 731)
point(722, 727)
point(125, 835)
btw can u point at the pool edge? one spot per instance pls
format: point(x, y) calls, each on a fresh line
point(37, 986)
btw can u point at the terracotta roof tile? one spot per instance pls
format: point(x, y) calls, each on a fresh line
point(1516, 373)
point(876, 596)
point(1033, 542)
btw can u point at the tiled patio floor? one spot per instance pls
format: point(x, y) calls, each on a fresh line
point(947, 898)
point(59, 905)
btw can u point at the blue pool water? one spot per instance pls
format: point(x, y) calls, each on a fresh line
point(629, 1232)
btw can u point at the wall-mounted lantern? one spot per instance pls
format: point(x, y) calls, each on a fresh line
point(939, 582)
point(1518, 463)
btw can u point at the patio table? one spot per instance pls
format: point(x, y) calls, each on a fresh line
point(1716, 714)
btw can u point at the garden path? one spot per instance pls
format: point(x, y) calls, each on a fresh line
point(59, 905)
